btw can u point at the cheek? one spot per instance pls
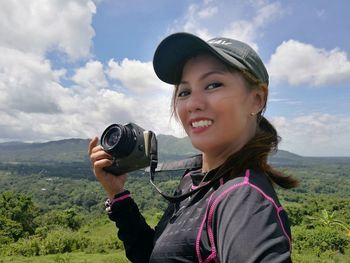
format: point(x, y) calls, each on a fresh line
point(226, 104)
point(234, 112)
point(180, 112)
point(230, 99)
point(237, 104)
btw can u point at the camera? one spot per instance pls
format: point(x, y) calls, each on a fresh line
point(131, 147)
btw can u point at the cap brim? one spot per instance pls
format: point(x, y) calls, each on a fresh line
point(174, 51)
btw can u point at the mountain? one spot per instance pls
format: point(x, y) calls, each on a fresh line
point(173, 148)
point(169, 148)
point(285, 158)
point(75, 150)
point(70, 150)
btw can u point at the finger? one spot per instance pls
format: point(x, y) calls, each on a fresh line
point(100, 155)
point(92, 144)
point(97, 148)
point(100, 164)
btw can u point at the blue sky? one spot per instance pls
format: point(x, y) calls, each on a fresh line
point(68, 68)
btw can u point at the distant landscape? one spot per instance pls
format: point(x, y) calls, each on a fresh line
point(51, 205)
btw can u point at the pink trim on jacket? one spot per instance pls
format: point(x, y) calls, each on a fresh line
point(198, 239)
point(120, 198)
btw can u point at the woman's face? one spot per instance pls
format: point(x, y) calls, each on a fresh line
point(214, 106)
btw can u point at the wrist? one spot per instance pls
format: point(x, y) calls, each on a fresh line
point(112, 194)
point(116, 198)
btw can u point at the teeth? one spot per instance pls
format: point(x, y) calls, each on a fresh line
point(200, 124)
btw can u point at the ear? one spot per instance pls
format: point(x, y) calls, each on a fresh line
point(259, 98)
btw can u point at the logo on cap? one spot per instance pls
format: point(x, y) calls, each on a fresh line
point(220, 42)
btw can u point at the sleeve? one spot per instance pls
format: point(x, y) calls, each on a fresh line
point(133, 230)
point(247, 227)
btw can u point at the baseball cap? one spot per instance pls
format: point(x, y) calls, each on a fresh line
point(173, 52)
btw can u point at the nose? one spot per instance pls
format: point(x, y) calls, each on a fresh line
point(196, 101)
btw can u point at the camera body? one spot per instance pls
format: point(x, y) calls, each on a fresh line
point(131, 147)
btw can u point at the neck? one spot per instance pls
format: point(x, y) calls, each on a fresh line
point(213, 159)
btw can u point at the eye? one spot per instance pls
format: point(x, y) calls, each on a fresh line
point(214, 85)
point(183, 93)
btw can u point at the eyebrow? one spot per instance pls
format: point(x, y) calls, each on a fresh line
point(205, 75)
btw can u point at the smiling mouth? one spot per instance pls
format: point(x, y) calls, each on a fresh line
point(201, 124)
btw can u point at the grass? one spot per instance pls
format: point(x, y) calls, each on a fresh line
point(119, 257)
point(103, 233)
point(326, 257)
point(113, 257)
point(100, 231)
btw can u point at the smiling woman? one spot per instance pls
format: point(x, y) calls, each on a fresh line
point(233, 213)
point(215, 108)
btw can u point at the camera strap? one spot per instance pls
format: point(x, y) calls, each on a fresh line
point(190, 163)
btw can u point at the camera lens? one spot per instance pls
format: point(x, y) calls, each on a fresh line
point(112, 137)
point(118, 140)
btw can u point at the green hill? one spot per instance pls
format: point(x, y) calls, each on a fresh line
point(169, 148)
point(54, 151)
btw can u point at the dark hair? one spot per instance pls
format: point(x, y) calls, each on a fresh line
point(255, 153)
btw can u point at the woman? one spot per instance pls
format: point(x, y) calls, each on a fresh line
point(221, 89)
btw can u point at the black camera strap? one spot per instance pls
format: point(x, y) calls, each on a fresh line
point(190, 163)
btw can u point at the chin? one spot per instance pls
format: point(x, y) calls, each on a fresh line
point(201, 145)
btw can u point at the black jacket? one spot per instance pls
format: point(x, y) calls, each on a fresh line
point(240, 220)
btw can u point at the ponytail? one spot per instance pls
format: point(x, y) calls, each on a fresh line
point(255, 154)
point(271, 136)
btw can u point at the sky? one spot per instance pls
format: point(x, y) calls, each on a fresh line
point(69, 68)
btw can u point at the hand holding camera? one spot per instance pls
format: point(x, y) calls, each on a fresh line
point(130, 146)
point(99, 160)
point(124, 148)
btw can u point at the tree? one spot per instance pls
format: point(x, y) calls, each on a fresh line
point(329, 220)
point(68, 218)
point(319, 239)
point(17, 216)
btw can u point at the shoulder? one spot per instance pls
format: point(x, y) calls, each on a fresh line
point(248, 208)
point(251, 185)
point(248, 198)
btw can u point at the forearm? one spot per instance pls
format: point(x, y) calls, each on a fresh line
point(136, 234)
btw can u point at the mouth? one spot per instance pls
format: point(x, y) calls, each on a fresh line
point(201, 123)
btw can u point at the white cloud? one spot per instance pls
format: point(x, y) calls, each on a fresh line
point(137, 76)
point(27, 83)
point(303, 64)
point(34, 103)
point(208, 12)
point(250, 30)
point(229, 19)
point(35, 106)
point(192, 21)
point(40, 26)
point(91, 77)
point(315, 134)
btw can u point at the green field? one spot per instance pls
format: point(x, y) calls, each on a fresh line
point(53, 211)
point(75, 257)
